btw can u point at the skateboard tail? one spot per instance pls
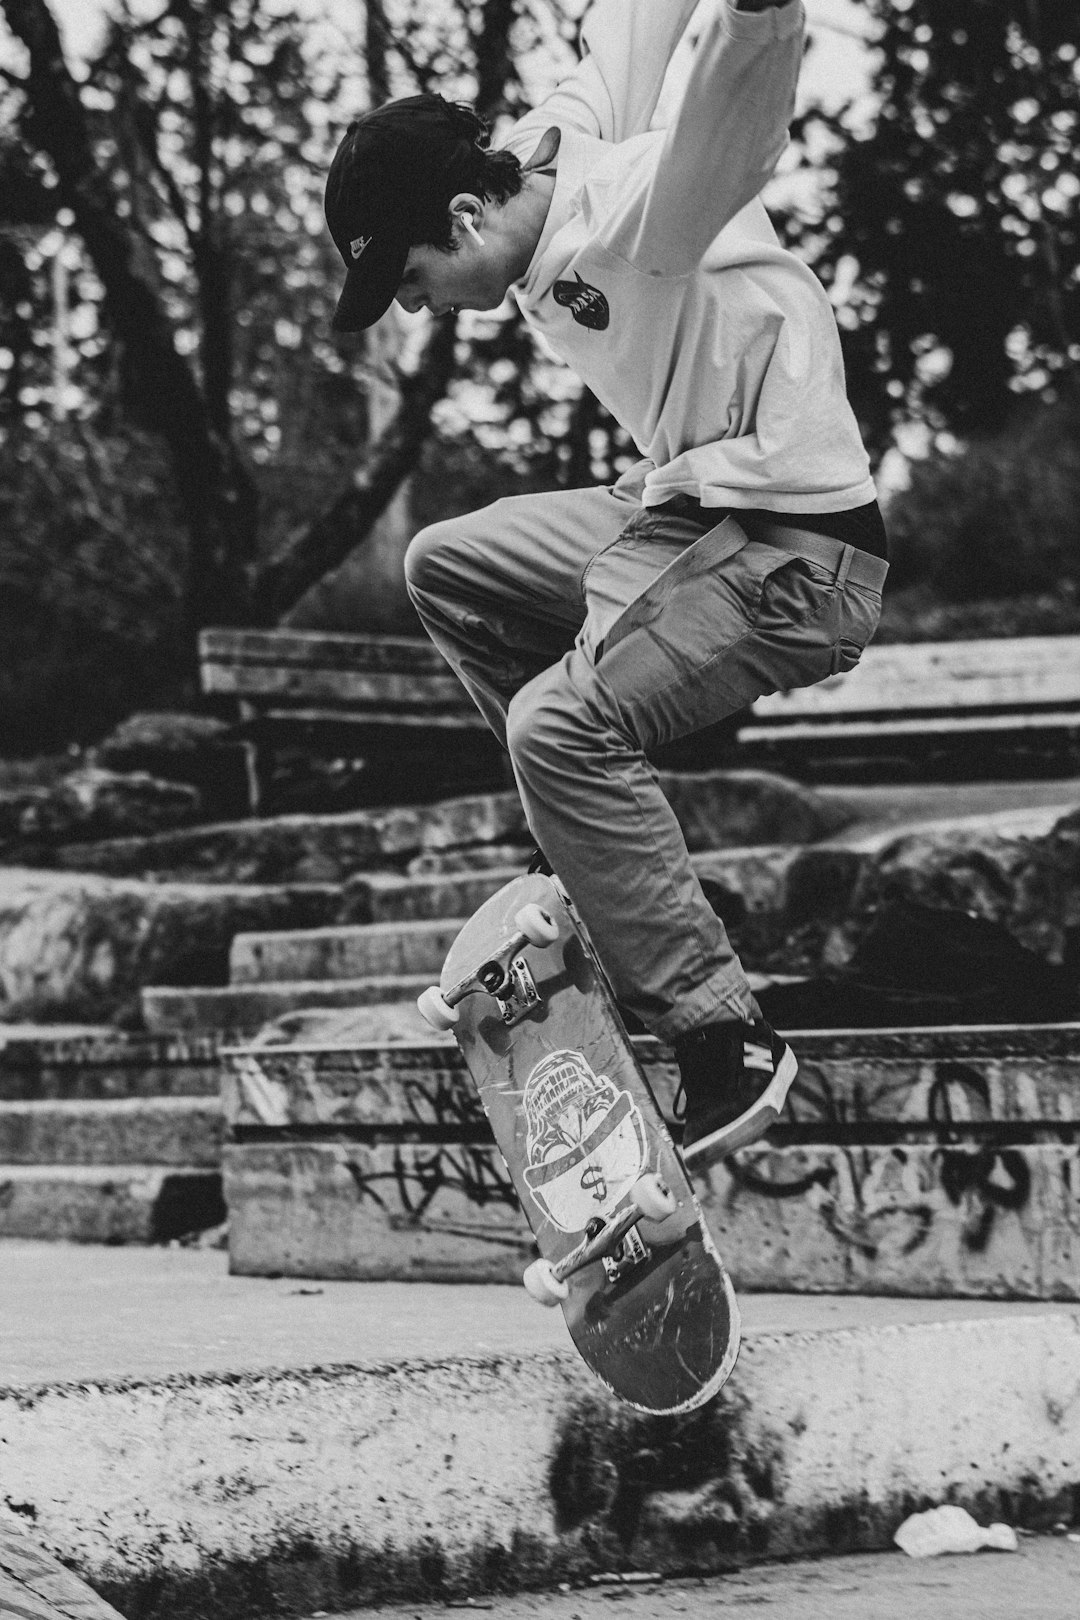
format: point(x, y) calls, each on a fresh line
point(702, 1395)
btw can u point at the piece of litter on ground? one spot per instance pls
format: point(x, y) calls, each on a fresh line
point(951, 1529)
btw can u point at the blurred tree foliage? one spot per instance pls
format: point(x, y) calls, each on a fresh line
point(949, 234)
point(997, 517)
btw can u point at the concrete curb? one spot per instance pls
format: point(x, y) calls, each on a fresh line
point(269, 1492)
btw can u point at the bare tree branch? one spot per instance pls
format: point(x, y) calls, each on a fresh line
point(376, 45)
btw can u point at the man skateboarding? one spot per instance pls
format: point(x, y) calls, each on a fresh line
point(744, 553)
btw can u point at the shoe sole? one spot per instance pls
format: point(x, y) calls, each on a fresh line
point(749, 1126)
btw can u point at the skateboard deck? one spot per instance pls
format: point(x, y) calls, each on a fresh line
point(655, 1317)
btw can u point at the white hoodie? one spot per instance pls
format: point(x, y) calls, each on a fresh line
point(659, 278)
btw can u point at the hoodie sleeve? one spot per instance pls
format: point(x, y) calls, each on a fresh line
point(724, 143)
point(613, 92)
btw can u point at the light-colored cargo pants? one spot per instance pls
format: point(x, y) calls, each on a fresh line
point(589, 629)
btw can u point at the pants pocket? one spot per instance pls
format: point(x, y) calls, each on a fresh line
point(722, 575)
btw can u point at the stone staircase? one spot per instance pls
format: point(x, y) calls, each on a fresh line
point(375, 969)
point(106, 1136)
point(199, 935)
point(109, 1138)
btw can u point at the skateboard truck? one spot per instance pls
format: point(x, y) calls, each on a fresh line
point(613, 1240)
point(506, 975)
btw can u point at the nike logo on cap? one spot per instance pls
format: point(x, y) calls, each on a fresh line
point(358, 244)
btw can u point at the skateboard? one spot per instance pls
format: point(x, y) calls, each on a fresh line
point(624, 1248)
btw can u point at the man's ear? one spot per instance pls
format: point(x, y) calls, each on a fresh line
point(467, 213)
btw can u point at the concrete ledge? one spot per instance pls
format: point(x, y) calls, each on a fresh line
point(910, 1219)
point(258, 1492)
point(927, 1161)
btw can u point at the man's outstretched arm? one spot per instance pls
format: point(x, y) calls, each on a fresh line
point(726, 139)
point(612, 93)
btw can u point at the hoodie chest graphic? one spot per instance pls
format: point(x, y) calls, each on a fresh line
point(586, 304)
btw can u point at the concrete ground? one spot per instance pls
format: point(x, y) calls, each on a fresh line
point(76, 1312)
point(168, 1428)
point(1041, 1582)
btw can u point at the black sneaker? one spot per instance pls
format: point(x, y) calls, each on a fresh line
point(735, 1078)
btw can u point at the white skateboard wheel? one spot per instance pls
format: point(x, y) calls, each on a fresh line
point(542, 1284)
point(435, 1011)
point(654, 1198)
point(533, 921)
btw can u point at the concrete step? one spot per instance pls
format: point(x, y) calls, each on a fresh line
point(386, 950)
point(431, 1443)
point(408, 924)
point(389, 1004)
point(786, 906)
point(180, 1131)
point(383, 897)
point(39, 1062)
point(306, 848)
point(791, 910)
point(714, 808)
point(108, 1203)
point(754, 880)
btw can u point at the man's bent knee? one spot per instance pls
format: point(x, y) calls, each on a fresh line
point(428, 557)
point(537, 717)
point(557, 719)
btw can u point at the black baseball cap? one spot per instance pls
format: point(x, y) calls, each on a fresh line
point(393, 171)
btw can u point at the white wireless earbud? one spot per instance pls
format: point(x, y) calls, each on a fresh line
point(471, 228)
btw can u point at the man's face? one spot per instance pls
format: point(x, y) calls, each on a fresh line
point(442, 281)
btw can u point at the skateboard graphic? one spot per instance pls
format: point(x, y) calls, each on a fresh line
point(624, 1248)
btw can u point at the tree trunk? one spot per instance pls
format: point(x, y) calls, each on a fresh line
point(216, 491)
point(340, 527)
point(394, 453)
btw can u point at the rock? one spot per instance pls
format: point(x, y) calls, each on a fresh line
point(192, 748)
point(77, 947)
point(1015, 871)
point(90, 803)
point(965, 923)
point(307, 849)
point(725, 809)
